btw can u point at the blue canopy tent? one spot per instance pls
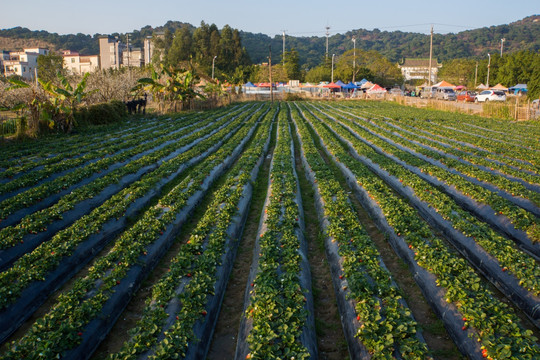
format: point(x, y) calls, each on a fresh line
point(518, 88)
point(340, 83)
point(361, 82)
point(250, 84)
point(350, 86)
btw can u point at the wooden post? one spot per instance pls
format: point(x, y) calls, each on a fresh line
point(517, 106)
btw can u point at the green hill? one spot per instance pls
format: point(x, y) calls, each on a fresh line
point(395, 45)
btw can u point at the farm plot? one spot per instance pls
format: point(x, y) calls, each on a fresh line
point(457, 199)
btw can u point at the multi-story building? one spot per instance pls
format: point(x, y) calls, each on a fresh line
point(418, 69)
point(80, 64)
point(133, 57)
point(22, 63)
point(4, 55)
point(148, 46)
point(110, 52)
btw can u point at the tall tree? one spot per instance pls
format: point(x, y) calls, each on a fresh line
point(181, 48)
point(458, 72)
point(292, 65)
point(49, 65)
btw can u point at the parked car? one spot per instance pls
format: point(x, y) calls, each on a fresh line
point(445, 94)
point(466, 96)
point(490, 95)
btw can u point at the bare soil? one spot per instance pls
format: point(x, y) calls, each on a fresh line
point(330, 339)
point(223, 345)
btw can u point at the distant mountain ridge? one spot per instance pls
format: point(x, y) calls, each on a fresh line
point(395, 45)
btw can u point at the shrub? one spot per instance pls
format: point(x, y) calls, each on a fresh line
point(99, 114)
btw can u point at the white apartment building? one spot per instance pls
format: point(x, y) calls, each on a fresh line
point(22, 63)
point(80, 64)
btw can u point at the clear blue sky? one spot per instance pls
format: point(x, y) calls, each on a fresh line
point(299, 18)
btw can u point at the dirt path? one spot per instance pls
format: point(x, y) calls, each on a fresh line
point(223, 345)
point(330, 339)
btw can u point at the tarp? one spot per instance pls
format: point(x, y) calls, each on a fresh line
point(332, 86)
point(376, 89)
point(350, 86)
point(444, 84)
point(519, 87)
point(499, 86)
point(367, 85)
point(250, 84)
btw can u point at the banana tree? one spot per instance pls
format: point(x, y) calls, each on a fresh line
point(32, 105)
point(65, 98)
point(169, 86)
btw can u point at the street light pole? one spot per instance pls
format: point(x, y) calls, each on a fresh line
point(213, 62)
point(333, 55)
point(502, 44)
point(475, 74)
point(354, 59)
point(489, 64)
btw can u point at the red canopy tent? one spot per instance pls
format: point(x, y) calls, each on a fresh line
point(332, 86)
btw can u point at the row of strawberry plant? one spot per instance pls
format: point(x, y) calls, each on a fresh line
point(383, 323)
point(160, 150)
point(48, 146)
point(388, 145)
point(515, 180)
point(423, 117)
point(481, 325)
point(181, 298)
point(504, 151)
point(40, 226)
point(64, 184)
point(34, 267)
point(109, 284)
point(277, 322)
point(512, 172)
point(83, 147)
point(495, 258)
point(425, 129)
point(102, 153)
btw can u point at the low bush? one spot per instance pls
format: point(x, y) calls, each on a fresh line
point(99, 114)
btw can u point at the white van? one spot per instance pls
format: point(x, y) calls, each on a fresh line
point(428, 92)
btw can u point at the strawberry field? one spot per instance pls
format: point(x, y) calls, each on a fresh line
point(120, 242)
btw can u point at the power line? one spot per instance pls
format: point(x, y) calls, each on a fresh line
point(380, 28)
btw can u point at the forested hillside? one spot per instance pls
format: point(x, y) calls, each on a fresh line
point(395, 45)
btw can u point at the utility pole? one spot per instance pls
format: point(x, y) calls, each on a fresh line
point(283, 46)
point(327, 34)
point(430, 55)
point(270, 72)
point(354, 59)
point(489, 64)
point(475, 74)
point(333, 55)
point(128, 57)
point(502, 44)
